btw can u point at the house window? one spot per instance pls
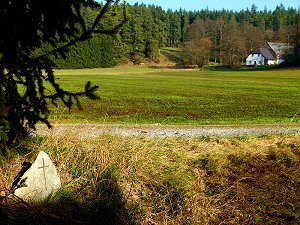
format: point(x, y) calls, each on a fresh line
point(250, 62)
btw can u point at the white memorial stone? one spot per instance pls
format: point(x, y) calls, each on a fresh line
point(39, 181)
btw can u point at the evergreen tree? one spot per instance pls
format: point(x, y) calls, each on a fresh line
point(297, 40)
point(175, 29)
point(184, 19)
point(136, 36)
point(150, 32)
point(278, 17)
point(159, 16)
point(23, 74)
point(294, 58)
point(95, 52)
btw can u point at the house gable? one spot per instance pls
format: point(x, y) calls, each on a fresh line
point(279, 50)
point(261, 56)
point(266, 53)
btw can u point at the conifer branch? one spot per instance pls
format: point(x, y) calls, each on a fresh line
point(89, 33)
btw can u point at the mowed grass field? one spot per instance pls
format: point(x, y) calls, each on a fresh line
point(147, 95)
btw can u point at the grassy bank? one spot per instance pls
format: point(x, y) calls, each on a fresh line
point(173, 96)
point(142, 180)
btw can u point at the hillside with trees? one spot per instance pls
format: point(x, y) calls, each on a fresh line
point(219, 36)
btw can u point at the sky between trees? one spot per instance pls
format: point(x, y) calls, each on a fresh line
point(218, 4)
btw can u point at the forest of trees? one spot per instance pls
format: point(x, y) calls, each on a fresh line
point(230, 35)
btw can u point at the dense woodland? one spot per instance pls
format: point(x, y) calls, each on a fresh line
point(218, 36)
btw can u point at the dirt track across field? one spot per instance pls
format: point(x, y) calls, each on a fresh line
point(157, 130)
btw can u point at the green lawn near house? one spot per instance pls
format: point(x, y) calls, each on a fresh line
point(140, 94)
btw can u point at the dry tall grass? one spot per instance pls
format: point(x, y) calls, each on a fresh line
point(142, 180)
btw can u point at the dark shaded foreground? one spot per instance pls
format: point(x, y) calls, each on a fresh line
point(104, 207)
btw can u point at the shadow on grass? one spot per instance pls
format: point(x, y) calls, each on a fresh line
point(173, 55)
point(222, 67)
point(177, 66)
point(241, 68)
point(106, 205)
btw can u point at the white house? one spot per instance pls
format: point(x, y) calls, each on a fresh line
point(272, 53)
point(261, 56)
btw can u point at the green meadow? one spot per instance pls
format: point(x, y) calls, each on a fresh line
point(149, 95)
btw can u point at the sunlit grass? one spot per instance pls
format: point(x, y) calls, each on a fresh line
point(170, 96)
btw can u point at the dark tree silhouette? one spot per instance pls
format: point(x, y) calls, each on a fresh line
point(25, 25)
point(296, 54)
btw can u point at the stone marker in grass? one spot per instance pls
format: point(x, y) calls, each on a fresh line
point(38, 181)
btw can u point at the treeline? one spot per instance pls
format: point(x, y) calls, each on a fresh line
point(220, 41)
point(151, 28)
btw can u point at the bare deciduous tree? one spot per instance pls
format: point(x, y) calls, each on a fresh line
point(198, 46)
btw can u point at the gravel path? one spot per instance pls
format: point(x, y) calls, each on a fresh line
point(157, 130)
